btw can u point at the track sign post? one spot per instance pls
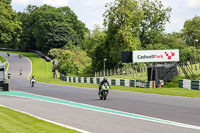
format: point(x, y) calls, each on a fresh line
point(155, 56)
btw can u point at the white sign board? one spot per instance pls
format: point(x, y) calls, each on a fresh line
point(156, 56)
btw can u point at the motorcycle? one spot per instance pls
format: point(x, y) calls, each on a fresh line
point(32, 82)
point(104, 91)
point(20, 56)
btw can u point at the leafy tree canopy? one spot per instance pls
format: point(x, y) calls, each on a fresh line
point(71, 62)
point(122, 20)
point(48, 27)
point(10, 27)
point(191, 31)
point(156, 15)
point(132, 24)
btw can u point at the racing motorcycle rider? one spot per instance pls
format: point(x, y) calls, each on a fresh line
point(32, 79)
point(101, 83)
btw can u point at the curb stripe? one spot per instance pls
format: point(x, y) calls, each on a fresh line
point(98, 109)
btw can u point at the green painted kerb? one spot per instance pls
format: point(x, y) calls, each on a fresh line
point(94, 108)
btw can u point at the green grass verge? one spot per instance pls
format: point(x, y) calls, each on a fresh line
point(16, 122)
point(2, 61)
point(43, 73)
point(162, 91)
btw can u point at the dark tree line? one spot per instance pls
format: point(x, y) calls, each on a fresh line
point(48, 27)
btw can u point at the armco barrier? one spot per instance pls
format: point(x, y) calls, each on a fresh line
point(92, 80)
point(74, 79)
point(109, 80)
point(117, 82)
point(88, 80)
point(62, 76)
point(132, 84)
point(140, 83)
point(85, 80)
point(120, 82)
point(98, 80)
point(127, 82)
point(113, 82)
point(65, 78)
point(70, 79)
point(189, 84)
point(79, 79)
point(180, 83)
point(195, 84)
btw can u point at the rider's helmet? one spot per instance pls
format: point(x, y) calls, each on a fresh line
point(105, 79)
point(33, 77)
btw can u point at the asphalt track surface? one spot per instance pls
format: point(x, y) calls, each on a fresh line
point(173, 108)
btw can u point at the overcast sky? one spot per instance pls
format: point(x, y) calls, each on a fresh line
point(90, 11)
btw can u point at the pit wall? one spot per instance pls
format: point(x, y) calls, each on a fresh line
point(118, 82)
point(189, 84)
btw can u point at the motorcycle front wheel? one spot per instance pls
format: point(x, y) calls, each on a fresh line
point(32, 84)
point(101, 96)
point(105, 95)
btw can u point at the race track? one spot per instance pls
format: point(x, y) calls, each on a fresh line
point(172, 108)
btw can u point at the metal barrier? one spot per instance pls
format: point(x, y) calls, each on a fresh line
point(189, 84)
point(119, 82)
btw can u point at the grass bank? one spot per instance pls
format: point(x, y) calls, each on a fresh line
point(42, 70)
point(16, 122)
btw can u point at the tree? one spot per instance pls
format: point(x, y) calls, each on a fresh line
point(94, 39)
point(191, 31)
point(131, 24)
point(94, 45)
point(51, 25)
point(72, 62)
point(77, 26)
point(48, 27)
point(27, 40)
point(122, 19)
point(153, 23)
point(173, 41)
point(10, 26)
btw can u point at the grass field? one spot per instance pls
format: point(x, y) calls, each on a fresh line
point(16, 122)
point(42, 71)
